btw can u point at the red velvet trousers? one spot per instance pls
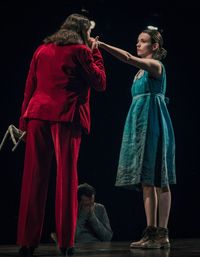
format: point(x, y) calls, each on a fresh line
point(43, 139)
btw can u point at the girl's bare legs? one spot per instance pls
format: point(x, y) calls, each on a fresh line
point(150, 206)
point(164, 206)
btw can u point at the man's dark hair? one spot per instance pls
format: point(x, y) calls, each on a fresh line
point(86, 190)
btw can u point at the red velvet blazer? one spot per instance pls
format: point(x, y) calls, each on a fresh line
point(58, 84)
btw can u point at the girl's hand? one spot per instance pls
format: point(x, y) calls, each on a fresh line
point(93, 42)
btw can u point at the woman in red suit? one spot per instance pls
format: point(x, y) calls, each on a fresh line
point(54, 112)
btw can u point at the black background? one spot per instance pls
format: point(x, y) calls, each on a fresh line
point(23, 28)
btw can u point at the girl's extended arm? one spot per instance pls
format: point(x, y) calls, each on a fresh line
point(151, 65)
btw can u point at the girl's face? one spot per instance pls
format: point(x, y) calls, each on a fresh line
point(144, 46)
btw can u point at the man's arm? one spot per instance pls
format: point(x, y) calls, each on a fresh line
point(82, 219)
point(100, 224)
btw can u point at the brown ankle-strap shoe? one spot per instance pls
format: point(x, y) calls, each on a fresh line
point(147, 240)
point(163, 237)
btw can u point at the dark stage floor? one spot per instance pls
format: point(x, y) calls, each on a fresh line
point(179, 248)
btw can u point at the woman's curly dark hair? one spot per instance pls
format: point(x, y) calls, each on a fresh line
point(72, 31)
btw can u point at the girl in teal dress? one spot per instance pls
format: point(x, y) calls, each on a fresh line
point(147, 155)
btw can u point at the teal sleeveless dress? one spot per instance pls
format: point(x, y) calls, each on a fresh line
point(147, 154)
